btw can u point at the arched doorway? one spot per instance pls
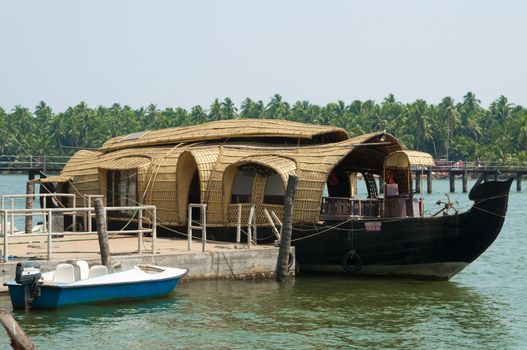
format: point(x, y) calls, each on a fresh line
point(188, 186)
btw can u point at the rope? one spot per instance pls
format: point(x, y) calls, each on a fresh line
point(488, 212)
point(321, 232)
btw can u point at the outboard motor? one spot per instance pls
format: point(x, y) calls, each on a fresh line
point(28, 274)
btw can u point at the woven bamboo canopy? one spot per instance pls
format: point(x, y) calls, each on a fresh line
point(170, 162)
point(227, 129)
point(405, 159)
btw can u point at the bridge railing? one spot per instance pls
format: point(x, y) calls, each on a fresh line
point(32, 162)
point(444, 166)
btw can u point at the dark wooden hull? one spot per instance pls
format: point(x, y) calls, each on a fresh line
point(428, 248)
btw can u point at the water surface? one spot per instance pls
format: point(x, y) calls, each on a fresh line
point(481, 308)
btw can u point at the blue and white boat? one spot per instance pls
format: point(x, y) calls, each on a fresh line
point(73, 284)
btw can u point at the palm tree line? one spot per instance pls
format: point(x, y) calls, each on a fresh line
point(453, 130)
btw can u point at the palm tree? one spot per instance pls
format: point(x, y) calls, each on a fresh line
point(228, 110)
point(276, 108)
point(197, 115)
point(419, 123)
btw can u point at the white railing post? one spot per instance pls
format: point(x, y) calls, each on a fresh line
point(239, 224)
point(89, 216)
point(249, 227)
point(140, 232)
point(202, 227)
point(189, 228)
point(85, 213)
point(44, 221)
point(4, 232)
point(154, 230)
point(203, 210)
point(271, 222)
point(74, 218)
point(277, 221)
point(12, 217)
point(50, 228)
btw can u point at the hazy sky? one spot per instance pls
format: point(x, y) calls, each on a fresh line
point(183, 53)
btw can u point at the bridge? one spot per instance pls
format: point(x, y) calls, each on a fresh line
point(32, 165)
point(42, 165)
point(465, 170)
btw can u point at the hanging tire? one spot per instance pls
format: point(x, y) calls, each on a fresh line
point(351, 262)
point(291, 260)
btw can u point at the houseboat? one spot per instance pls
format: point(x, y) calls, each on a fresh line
point(239, 169)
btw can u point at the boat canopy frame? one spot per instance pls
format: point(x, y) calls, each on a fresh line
point(404, 160)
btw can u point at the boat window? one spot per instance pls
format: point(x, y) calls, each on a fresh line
point(274, 190)
point(122, 188)
point(242, 186)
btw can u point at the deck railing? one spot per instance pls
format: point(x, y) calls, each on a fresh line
point(342, 207)
point(27, 162)
point(7, 217)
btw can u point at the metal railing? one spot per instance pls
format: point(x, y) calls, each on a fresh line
point(202, 225)
point(6, 214)
point(32, 162)
point(445, 166)
point(334, 207)
point(12, 198)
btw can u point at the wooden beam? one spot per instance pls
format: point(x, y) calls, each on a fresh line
point(19, 339)
point(100, 219)
point(282, 264)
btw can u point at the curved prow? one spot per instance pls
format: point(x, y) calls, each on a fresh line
point(491, 196)
point(489, 189)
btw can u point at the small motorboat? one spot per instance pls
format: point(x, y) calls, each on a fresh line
point(77, 283)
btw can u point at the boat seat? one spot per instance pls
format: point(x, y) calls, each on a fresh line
point(77, 272)
point(65, 273)
point(84, 269)
point(97, 270)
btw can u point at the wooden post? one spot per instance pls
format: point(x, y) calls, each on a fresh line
point(30, 190)
point(381, 186)
point(465, 180)
point(19, 339)
point(518, 182)
point(452, 177)
point(100, 219)
point(282, 264)
point(417, 182)
point(429, 181)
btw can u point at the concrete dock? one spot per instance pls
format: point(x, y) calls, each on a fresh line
point(220, 260)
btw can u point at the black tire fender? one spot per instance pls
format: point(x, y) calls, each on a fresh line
point(351, 262)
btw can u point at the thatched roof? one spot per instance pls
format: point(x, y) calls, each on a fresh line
point(227, 129)
point(166, 166)
point(404, 159)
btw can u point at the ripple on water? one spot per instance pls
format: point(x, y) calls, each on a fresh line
point(482, 307)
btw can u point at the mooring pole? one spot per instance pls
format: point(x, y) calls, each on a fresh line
point(19, 339)
point(429, 180)
point(282, 263)
point(465, 180)
point(100, 220)
point(417, 182)
point(518, 182)
point(30, 191)
point(452, 182)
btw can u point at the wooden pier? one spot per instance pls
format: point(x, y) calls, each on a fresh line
point(468, 171)
point(32, 165)
point(41, 165)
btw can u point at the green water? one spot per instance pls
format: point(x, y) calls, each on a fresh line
point(484, 307)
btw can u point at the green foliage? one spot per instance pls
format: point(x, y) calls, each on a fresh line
point(463, 130)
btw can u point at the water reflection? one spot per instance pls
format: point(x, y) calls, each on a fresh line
point(309, 312)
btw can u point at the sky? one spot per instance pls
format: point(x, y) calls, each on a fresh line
point(185, 53)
